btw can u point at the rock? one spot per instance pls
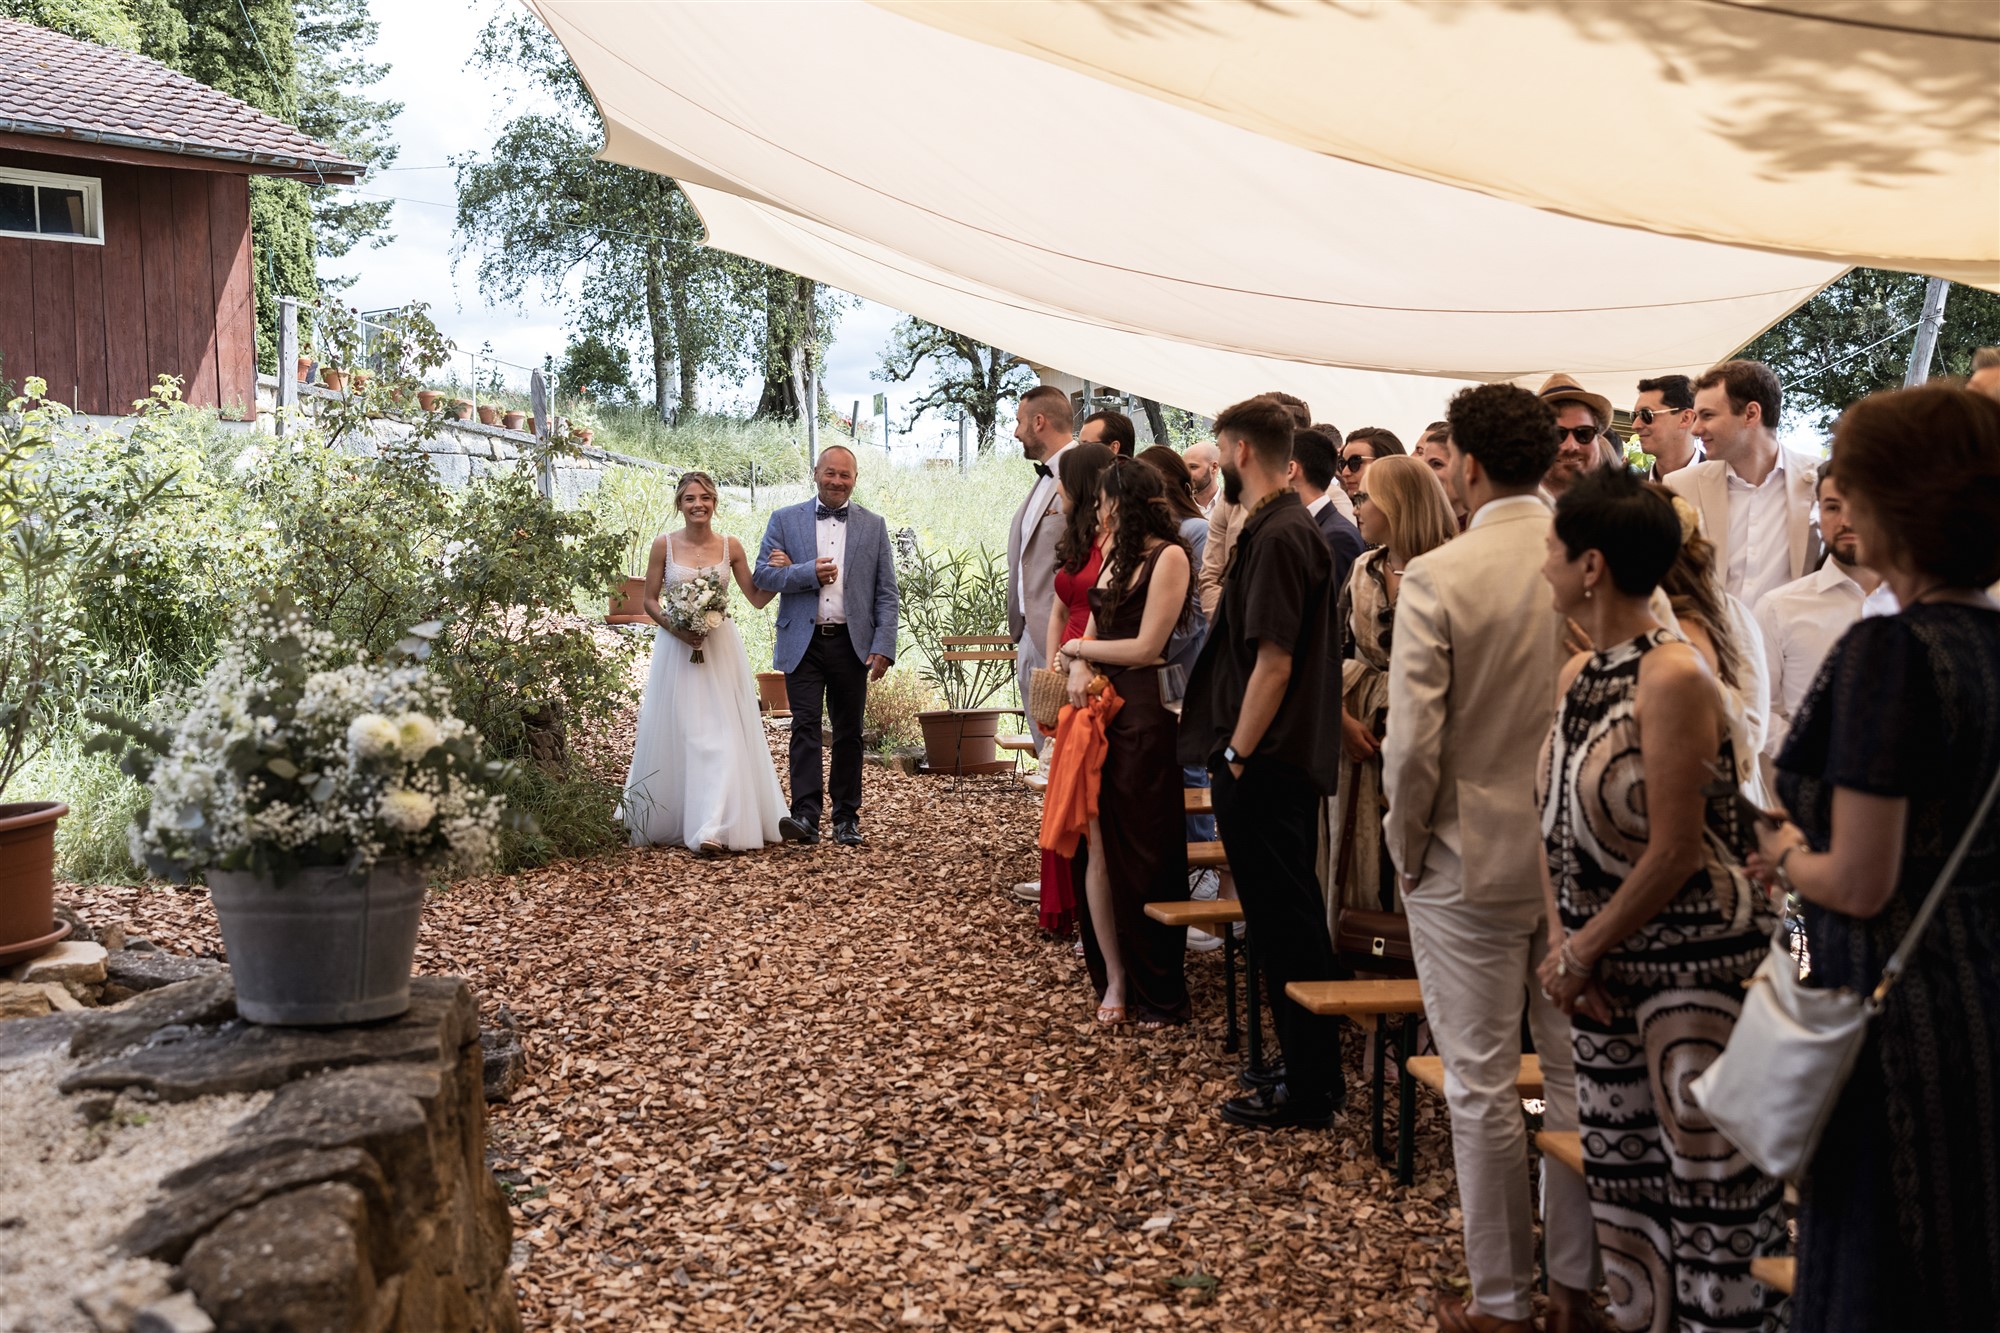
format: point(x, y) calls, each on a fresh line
point(169, 1227)
point(150, 970)
point(297, 1262)
point(72, 960)
point(113, 939)
point(18, 1000)
point(204, 1001)
point(176, 1314)
point(31, 1038)
point(60, 998)
point(441, 1019)
point(140, 944)
point(115, 1305)
point(504, 1063)
point(96, 1108)
point(79, 929)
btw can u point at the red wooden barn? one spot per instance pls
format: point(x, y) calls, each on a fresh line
point(125, 223)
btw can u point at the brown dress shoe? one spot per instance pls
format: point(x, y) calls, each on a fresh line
point(1453, 1317)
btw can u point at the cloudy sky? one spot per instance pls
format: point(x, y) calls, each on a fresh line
point(450, 109)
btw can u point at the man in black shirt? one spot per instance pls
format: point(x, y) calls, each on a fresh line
point(1262, 701)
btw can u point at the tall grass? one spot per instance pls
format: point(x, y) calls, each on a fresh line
point(90, 840)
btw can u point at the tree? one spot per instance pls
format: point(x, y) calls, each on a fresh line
point(1854, 339)
point(969, 377)
point(799, 315)
point(593, 367)
point(333, 107)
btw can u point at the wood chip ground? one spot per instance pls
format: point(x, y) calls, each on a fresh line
point(855, 1089)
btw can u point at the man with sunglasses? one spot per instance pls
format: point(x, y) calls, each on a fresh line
point(1665, 416)
point(1582, 418)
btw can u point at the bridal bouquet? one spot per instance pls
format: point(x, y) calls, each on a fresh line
point(292, 753)
point(697, 607)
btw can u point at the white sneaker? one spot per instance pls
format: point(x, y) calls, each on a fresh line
point(1203, 885)
point(1029, 891)
point(1200, 941)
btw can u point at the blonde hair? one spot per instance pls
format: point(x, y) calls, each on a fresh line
point(1412, 499)
point(694, 479)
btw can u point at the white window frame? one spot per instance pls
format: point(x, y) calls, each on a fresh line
point(92, 188)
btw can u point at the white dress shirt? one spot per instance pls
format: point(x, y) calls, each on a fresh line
point(832, 536)
point(1040, 497)
point(1325, 499)
point(1802, 621)
point(1760, 535)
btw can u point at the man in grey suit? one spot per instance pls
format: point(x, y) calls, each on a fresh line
point(836, 633)
point(1042, 423)
point(1472, 691)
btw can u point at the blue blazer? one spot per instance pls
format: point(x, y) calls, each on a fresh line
point(868, 582)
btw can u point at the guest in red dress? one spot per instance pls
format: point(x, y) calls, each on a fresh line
point(1079, 559)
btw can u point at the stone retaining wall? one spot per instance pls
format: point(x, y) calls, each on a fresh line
point(355, 1198)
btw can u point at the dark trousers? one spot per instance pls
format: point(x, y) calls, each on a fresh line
point(1269, 819)
point(829, 675)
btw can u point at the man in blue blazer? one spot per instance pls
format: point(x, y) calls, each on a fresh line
point(836, 633)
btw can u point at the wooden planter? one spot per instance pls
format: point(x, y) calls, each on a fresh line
point(772, 695)
point(962, 740)
point(628, 604)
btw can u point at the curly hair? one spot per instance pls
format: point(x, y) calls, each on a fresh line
point(1693, 586)
point(1143, 516)
point(1924, 464)
point(1509, 430)
point(1179, 481)
point(1079, 470)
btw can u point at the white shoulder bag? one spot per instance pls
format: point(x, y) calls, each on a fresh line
point(1774, 1087)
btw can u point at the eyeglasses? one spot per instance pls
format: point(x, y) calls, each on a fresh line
point(1581, 434)
point(1648, 415)
point(1354, 463)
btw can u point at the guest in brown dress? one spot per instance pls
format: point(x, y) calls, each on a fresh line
point(1137, 851)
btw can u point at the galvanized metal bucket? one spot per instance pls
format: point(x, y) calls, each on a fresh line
point(322, 949)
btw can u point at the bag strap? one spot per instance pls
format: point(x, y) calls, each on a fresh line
point(1894, 967)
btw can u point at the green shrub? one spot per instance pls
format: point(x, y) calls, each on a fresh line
point(724, 447)
point(948, 595)
point(893, 704)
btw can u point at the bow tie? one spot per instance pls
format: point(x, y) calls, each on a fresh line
point(1042, 470)
point(839, 514)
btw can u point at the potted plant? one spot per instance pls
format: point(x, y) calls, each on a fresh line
point(333, 378)
point(428, 399)
point(359, 379)
point(949, 596)
point(512, 420)
point(461, 409)
point(489, 415)
point(315, 792)
point(64, 517)
point(305, 369)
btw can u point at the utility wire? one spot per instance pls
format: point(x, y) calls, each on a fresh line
point(1811, 375)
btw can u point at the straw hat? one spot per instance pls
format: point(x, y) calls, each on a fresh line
point(1559, 389)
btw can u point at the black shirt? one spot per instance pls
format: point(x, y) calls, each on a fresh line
point(1279, 587)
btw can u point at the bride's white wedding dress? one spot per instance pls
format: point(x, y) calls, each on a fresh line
point(701, 772)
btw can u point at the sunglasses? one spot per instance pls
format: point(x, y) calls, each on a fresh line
point(1354, 463)
point(1581, 434)
point(1648, 415)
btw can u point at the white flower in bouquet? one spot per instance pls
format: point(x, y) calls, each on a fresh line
point(697, 607)
point(417, 735)
point(372, 736)
point(407, 811)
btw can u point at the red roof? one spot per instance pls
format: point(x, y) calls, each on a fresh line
point(62, 88)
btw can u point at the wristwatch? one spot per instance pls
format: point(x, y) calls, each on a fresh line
point(1229, 755)
point(1778, 869)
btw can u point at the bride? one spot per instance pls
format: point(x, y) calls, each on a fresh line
point(701, 773)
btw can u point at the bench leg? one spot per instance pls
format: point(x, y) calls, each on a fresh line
point(1377, 1094)
point(1231, 1041)
point(1253, 998)
point(1406, 1103)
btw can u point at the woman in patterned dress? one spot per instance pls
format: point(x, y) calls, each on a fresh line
point(1658, 925)
point(1899, 1211)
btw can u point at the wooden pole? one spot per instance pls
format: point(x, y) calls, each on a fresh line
point(288, 359)
point(1928, 325)
point(538, 399)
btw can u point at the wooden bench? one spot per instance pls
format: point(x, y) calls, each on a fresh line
point(1776, 1273)
point(976, 648)
point(1207, 856)
point(1035, 781)
point(1365, 1003)
point(1429, 1071)
point(1018, 744)
point(1197, 800)
point(1562, 1145)
point(1215, 916)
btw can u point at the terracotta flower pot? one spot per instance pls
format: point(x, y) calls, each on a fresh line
point(513, 420)
point(628, 603)
point(333, 379)
point(771, 692)
point(529, 425)
point(28, 877)
point(461, 409)
point(428, 399)
point(581, 434)
point(489, 415)
point(359, 379)
point(305, 369)
point(960, 740)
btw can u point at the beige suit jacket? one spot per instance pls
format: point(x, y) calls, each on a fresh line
point(1225, 521)
point(1472, 692)
point(1706, 487)
point(1031, 569)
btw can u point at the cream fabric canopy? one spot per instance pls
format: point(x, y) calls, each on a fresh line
point(1130, 240)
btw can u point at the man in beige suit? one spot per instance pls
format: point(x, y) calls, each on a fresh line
point(1472, 685)
point(1042, 425)
point(1755, 498)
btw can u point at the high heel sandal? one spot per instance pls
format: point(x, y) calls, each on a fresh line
point(1111, 1015)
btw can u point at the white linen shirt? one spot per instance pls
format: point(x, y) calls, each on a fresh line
point(1760, 535)
point(831, 534)
point(1802, 621)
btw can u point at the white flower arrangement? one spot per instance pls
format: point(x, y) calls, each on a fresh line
point(292, 753)
point(697, 606)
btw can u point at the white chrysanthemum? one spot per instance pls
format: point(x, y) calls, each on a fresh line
point(406, 811)
point(419, 735)
point(372, 736)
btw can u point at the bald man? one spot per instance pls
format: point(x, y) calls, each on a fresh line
point(1204, 465)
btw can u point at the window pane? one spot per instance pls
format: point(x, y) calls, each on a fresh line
point(62, 212)
point(17, 207)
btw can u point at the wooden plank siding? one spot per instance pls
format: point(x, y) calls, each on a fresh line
point(169, 292)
